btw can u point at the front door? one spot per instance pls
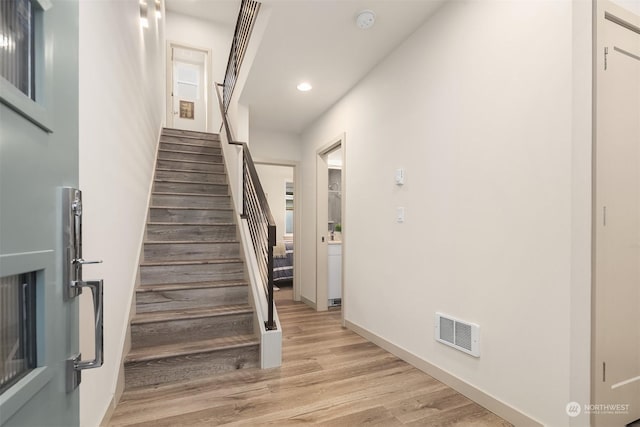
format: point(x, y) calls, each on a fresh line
point(38, 157)
point(616, 379)
point(189, 94)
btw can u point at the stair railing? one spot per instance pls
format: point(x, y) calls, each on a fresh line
point(256, 211)
point(244, 26)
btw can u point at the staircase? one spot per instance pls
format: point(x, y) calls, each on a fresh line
point(192, 313)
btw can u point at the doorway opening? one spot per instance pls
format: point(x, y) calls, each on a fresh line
point(330, 226)
point(187, 87)
point(280, 186)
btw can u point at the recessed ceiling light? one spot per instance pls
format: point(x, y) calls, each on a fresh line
point(365, 19)
point(304, 87)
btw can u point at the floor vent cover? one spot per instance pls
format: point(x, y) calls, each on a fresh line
point(460, 335)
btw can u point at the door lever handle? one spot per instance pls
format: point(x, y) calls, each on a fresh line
point(83, 261)
point(76, 365)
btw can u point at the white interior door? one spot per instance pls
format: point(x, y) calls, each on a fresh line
point(38, 157)
point(616, 379)
point(189, 91)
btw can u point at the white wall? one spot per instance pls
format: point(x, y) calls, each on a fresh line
point(273, 179)
point(481, 108)
point(121, 112)
point(631, 5)
point(268, 145)
point(208, 35)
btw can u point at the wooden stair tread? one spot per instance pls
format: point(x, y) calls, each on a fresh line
point(194, 137)
point(165, 150)
point(156, 193)
point(189, 171)
point(188, 144)
point(206, 224)
point(191, 161)
point(176, 181)
point(190, 208)
point(191, 285)
point(189, 242)
point(191, 262)
point(185, 132)
point(195, 347)
point(190, 313)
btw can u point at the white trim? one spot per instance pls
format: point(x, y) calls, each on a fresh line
point(297, 218)
point(321, 204)
point(626, 382)
point(308, 302)
point(482, 398)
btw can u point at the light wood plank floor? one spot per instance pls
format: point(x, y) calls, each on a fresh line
point(329, 376)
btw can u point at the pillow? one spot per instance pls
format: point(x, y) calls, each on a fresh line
point(279, 250)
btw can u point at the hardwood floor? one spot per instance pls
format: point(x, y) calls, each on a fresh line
point(329, 376)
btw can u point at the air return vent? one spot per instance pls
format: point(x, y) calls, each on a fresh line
point(458, 334)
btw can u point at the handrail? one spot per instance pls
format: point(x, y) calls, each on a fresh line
point(256, 211)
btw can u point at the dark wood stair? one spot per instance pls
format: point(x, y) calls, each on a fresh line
point(193, 316)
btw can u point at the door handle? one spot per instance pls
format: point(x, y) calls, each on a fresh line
point(75, 364)
point(84, 262)
point(98, 305)
point(73, 282)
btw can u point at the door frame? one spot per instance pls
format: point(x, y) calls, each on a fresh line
point(208, 78)
point(297, 217)
point(321, 214)
point(599, 8)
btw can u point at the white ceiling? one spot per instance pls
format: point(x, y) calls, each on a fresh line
point(223, 12)
point(316, 41)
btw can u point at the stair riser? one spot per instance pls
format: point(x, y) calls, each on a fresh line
point(180, 331)
point(200, 149)
point(138, 374)
point(190, 273)
point(147, 302)
point(204, 167)
point(190, 251)
point(214, 178)
point(201, 233)
point(190, 215)
point(220, 202)
point(170, 155)
point(191, 134)
point(181, 187)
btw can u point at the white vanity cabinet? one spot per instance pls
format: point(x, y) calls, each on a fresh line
point(335, 273)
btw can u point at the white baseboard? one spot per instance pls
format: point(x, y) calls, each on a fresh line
point(480, 397)
point(308, 302)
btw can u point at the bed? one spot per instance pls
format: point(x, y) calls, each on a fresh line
point(283, 263)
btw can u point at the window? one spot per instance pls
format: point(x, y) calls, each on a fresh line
point(17, 327)
point(17, 45)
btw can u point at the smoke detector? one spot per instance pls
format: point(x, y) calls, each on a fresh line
point(365, 19)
